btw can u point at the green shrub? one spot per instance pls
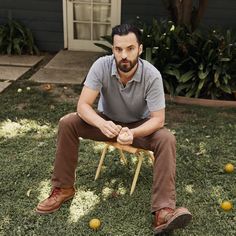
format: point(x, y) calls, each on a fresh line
point(193, 64)
point(16, 39)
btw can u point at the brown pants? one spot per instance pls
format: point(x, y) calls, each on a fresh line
point(162, 143)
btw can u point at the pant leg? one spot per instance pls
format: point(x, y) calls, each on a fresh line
point(163, 144)
point(70, 128)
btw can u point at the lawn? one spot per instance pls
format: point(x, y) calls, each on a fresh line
point(206, 141)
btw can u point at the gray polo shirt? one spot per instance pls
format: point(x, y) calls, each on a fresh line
point(130, 103)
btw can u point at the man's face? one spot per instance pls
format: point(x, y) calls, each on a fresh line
point(126, 51)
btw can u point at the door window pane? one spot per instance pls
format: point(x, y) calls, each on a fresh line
point(84, 1)
point(102, 1)
point(102, 13)
point(82, 12)
point(82, 31)
point(100, 30)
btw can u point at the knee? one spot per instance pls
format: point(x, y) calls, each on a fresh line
point(68, 120)
point(167, 137)
point(164, 142)
point(164, 137)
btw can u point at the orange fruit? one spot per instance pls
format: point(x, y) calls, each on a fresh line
point(226, 205)
point(47, 87)
point(94, 224)
point(229, 168)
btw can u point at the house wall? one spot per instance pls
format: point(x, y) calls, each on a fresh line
point(45, 17)
point(146, 10)
point(218, 14)
point(221, 13)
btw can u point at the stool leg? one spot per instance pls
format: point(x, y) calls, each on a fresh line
point(140, 160)
point(101, 161)
point(122, 156)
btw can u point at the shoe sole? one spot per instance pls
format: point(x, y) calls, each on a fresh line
point(53, 210)
point(179, 220)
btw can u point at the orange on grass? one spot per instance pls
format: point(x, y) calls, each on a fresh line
point(226, 205)
point(229, 168)
point(94, 224)
point(47, 87)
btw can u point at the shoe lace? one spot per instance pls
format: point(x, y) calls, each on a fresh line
point(55, 192)
point(163, 216)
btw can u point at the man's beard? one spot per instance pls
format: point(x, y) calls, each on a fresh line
point(126, 65)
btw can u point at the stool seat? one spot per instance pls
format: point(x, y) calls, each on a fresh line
point(130, 149)
point(127, 148)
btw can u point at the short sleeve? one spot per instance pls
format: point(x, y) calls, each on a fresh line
point(95, 75)
point(155, 96)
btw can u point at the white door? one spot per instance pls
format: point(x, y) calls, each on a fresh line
point(87, 21)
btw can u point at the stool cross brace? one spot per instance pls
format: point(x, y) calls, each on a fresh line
point(128, 148)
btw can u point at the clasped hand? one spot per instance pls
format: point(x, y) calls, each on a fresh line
point(123, 134)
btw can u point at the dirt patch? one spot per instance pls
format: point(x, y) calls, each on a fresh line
point(22, 106)
point(177, 115)
point(69, 93)
point(227, 115)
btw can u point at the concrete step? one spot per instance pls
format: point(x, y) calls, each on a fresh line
point(4, 85)
point(59, 76)
point(13, 67)
point(12, 72)
point(20, 60)
point(67, 67)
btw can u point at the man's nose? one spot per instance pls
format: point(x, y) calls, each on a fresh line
point(124, 54)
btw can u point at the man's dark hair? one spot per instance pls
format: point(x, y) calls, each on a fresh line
point(125, 29)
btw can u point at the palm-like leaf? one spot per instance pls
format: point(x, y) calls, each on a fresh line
point(16, 39)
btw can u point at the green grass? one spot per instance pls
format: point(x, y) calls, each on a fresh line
point(28, 124)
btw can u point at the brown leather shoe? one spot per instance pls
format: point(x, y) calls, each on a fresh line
point(57, 197)
point(168, 219)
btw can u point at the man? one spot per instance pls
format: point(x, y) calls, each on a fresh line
point(131, 110)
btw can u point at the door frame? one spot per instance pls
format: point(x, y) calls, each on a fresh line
point(65, 23)
point(65, 19)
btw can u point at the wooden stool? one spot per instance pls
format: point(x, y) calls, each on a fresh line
point(130, 149)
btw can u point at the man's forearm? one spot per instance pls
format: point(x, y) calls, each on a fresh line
point(149, 127)
point(88, 114)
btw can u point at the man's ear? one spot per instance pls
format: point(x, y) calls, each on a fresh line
point(140, 49)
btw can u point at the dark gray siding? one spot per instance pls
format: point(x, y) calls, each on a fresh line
point(43, 17)
point(218, 14)
point(221, 13)
point(146, 10)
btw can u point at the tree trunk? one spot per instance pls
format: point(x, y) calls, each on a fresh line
point(187, 6)
point(182, 12)
point(199, 13)
point(174, 7)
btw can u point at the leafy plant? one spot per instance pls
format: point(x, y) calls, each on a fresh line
point(108, 39)
point(193, 64)
point(16, 39)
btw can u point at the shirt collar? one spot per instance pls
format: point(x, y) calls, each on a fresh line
point(137, 75)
